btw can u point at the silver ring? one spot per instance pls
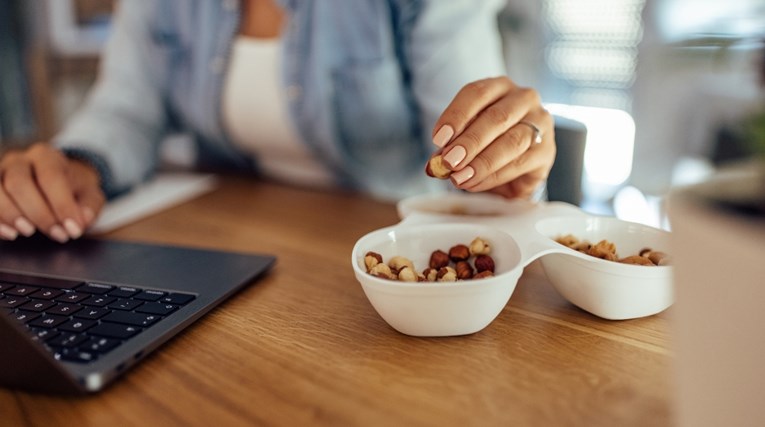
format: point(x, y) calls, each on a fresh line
point(537, 139)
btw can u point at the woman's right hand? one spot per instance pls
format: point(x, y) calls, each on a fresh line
point(43, 190)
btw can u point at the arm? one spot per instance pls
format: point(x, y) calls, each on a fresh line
point(120, 126)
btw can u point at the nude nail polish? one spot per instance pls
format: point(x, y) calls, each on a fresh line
point(462, 175)
point(8, 233)
point(72, 228)
point(58, 234)
point(443, 136)
point(24, 226)
point(455, 156)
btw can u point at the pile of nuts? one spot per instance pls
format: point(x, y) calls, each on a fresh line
point(442, 267)
point(607, 250)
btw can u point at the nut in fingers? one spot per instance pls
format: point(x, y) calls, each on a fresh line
point(437, 168)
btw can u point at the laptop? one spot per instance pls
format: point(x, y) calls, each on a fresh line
point(75, 317)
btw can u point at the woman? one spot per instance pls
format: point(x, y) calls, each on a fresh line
point(342, 93)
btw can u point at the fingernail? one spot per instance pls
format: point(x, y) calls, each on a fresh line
point(462, 175)
point(443, 136)
point(58, 234)
point(8, 233)
point(72, 228)
point(87, 214)
point(455, 156)
point(25, 227)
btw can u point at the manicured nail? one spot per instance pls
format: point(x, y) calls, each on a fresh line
point(8, 233)
point(72, 228)
point(87, 214)
point(443, 136)
point(455, 156)
point(58, 234)
point(24, 226)
point(462, 175)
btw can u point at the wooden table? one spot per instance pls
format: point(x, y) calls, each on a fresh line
point(303, 346)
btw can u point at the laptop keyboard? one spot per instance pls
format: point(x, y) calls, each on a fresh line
point(82, 321)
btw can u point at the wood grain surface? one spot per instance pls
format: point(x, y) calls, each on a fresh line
point(303, 346)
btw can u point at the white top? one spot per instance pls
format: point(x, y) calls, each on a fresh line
point(257, 119)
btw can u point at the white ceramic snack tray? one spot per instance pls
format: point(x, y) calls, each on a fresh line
point(608, 289)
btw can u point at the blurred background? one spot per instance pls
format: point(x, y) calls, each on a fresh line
point(659, 84)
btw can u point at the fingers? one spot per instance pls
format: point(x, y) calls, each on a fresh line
point(87, 191)
point(510, 156)
point(469, 101)
point(19, 184)
point(40, 190)
point(503, 138)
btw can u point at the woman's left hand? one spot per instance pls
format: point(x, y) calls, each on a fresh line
point(496, 136)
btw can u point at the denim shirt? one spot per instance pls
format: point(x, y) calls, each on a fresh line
point(365, 82)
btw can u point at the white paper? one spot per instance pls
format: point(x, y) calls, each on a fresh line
point(161, 192)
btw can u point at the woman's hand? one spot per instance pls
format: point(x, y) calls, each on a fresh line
point(41, 189)
point(496, 136)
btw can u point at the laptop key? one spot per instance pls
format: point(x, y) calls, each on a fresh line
point(73, 297)
point(22, 291)
point(149, 295)
point(48, 321)
point(75, 355)
point(44, 334)
point(98, 301)
point(26, 316)
point(157, 308)
point(64, 309)
point(13, 302)
point(123, 292)
point(76, 325)
point(125, 304)
point(93, 313)
point(95, 288)
point(46, 294)
point(178, 299)
point(136, 319)
point(114, 330)
point(100, 344)
point(67, 340)
point(38, 305)
point(5, 286)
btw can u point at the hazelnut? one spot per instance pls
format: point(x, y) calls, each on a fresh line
point(430, 274)
point(603, 250)
point(636, 260)
point(657, 257)
point(483, 274)
point(398, 263)
point(438, 259)
point(464, 270)
point(382, 270)
point(407, 274)
point(371, 259)
point(459, 253)
point(437, 168)
point(582, 246)
point(484, 263)
point(446, 274)
point(567, 240)
point(479, 247)
point(645, 251)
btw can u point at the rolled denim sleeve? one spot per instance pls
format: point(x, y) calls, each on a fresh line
point(123, 118)
point(449, 44)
